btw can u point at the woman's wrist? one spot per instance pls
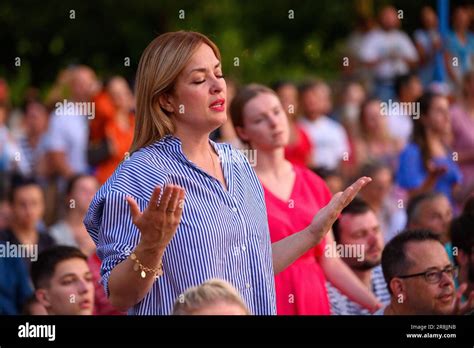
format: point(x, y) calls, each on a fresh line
point(150, 246)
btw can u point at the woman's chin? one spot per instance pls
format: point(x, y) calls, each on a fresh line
point(217, 120)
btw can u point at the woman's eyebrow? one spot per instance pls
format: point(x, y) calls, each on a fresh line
point(204, 69)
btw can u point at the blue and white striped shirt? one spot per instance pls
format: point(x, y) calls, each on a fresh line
point(341, 305)
point(222, 234)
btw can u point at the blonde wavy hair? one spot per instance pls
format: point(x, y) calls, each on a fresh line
point(208, 293)
point(159, 67)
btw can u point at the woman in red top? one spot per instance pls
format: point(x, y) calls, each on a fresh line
point(293, 195)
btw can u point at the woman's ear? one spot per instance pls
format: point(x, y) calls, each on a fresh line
point(164, 100)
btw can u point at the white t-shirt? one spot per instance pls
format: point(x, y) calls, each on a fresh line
point(379, 44)
point(69, 134)
point(329, 141)
point(400, 126)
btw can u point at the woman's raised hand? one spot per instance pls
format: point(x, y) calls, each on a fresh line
point(325, 218)
point(159, 221)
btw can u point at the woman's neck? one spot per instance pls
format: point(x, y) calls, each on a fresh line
point(195, 147)
point(433, 139)
point(436, 144)
point(271, 162)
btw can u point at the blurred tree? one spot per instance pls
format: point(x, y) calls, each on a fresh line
point(260, 41)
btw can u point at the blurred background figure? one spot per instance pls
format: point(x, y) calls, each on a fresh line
point(71, 230)
point(389, 52)
point(375, 143)
point(383, 199)
point(426, 163)
point(355, 68)
point(26, 227)
point(462, 114)
point(299, 150)
point(10, 155)
point(428, 44)
point(15, 288)
point(328, 138)
point(351, 99)
point(462, 236)
point(459, 47)
point(432, 211)
point(408, 89)
point(67, 136)
point(107, 152)
point(214, 297)
point(5, 213)
point(32, 141)
point(332, 178)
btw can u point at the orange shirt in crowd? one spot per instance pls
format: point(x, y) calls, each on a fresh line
point(120, 139)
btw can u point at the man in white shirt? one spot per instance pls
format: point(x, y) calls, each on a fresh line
point(389, 52)
point(68, 132)
point(328, 138)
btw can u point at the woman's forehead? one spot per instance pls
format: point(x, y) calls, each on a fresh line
point(262, 102)
point(203, 58)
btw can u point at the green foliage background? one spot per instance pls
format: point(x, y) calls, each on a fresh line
point(268, 44)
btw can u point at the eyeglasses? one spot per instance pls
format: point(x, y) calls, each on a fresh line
point(434, 276)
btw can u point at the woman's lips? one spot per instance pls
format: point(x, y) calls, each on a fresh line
point(218, 105)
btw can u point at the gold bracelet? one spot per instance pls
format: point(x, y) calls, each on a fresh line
point(157, 272)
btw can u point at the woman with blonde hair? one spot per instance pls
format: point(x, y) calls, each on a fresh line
point(374, 142)
point(214, 297)
point(153, 246)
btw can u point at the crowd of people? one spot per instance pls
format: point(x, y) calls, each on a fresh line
point(405, 245)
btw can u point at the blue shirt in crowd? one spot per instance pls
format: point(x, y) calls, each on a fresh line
point(412, 173)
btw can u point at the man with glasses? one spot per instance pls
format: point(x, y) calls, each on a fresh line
point(420, 277)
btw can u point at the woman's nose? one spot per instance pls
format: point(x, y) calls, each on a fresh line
point(218, 85)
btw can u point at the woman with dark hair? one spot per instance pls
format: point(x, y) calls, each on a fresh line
point(427, 164)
